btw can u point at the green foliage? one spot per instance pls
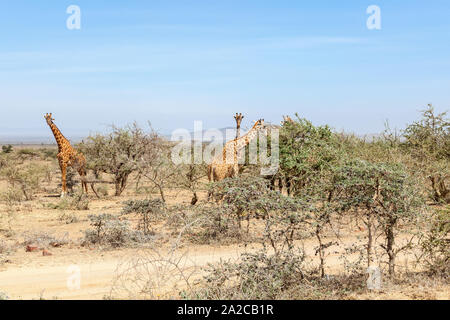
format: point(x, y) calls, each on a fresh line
point(382, 194)
point(250, 196)
point(435, 242)
point(12, 196)
point(428, 141)
point(26, 178)
point(306, 151)
point(118, 152)
point(68, 217)
point(7, 149)
point(206, 225)
point(49, 153)
point(78, 201)
point(27, 153)
point(240, 193)
point(257, 276)
point(148, 210)
point(430, 136)
point(108, 230)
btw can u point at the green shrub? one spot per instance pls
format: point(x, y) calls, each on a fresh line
point(109, 230)
point(49, 153)
point(148, 210)
point(428, 141)
point(383, 195)
point(27, 178)
point(257, 276)
point(78, 201)
point(305, 152)
point(435, 242)
point(68, 217)
point(27, 153)
point(7, 149)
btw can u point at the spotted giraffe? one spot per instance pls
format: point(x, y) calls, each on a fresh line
point(238, 117)
point(222, 166)
point(67, 157)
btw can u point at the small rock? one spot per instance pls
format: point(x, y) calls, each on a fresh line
point(31, 248)
point(46, 253)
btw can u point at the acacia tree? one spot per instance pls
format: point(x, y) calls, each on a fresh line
point(119, 152)
point(157, 166)
point(305, 151)
point(383, 195)
point(428, 141)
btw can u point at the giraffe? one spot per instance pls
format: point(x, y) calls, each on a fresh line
point(287, 119)
point(238, 117)
point(221, 168)
point(67, 156)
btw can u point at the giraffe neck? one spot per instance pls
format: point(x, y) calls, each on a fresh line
point(243, 141)
point(60, 139)
point(234, 146)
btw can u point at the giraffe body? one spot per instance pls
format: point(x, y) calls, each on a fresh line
point(67, 157)
point(226, 164)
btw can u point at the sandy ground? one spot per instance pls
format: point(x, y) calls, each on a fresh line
point(55, 277)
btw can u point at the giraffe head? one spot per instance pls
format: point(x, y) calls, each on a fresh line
point(238, 117)
point(48, 118)
point(259, 124)
point(287, 119)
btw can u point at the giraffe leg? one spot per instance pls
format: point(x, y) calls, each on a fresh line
point(64, 180)
point(84, 187)
point(235, 170)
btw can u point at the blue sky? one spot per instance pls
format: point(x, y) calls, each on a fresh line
point(173, 62)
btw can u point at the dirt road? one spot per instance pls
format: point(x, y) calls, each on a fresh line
point(90, 279)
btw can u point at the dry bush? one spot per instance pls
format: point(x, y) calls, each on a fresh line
point(102, 190)
point(256, 276)
point(149, 211)
point(12, 196)
point(27, 154)
point(7, 149)
point(435, 242)
point(44, 239)
point(190, 177)
point(206, 225)
point(154, 275)
point(48, 153)
point(68, 217)
point(78, 201)
point(158, 168)
point(120, 152)
point(384, 197)
point(428, 141)
point(27, 177)
point(108, 230)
